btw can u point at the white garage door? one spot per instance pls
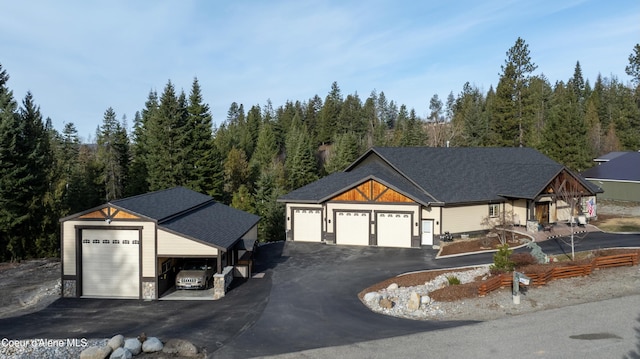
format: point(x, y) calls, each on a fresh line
point(394, 229)
point(307, 225)
point(110, 263)
point(353, 228)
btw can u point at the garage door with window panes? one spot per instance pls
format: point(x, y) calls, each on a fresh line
point(353, 228)
point(394, 229)
point(307, 225)
point(111, 263)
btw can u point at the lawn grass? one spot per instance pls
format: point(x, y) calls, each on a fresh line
point(620, 225)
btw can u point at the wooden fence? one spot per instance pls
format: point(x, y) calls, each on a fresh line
point(538, 279)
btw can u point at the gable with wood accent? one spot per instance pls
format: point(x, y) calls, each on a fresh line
point(107, 213)
point(372, 191)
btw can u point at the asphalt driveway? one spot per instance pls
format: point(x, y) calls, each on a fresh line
point(307, 299)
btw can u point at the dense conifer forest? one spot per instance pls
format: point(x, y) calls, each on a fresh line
point(263, 151)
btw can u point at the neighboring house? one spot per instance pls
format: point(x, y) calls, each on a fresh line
point(128, 248)
point(618, 174)
point(407, 197)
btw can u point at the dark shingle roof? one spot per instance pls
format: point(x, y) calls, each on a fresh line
point(338, 182)
point(444, 175)
point(192, 214)
point(162, 204)
point(213, 223)
point(625, 167)
point(464, 174)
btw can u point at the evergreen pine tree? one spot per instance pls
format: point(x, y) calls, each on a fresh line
point(344, 151)
point(112, 155)
point(300, 163)
point(329, 114)
point(565, 134)
point(164, 139)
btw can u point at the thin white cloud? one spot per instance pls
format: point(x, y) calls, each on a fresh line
point(81, 57)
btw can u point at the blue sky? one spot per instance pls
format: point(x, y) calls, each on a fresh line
point(80, 57)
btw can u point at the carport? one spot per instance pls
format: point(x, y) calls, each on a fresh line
point(132, 247)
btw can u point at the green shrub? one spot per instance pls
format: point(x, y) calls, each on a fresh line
point(501, 261)
point(453, 280)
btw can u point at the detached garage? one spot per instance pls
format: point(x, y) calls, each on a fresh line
point(129, 248)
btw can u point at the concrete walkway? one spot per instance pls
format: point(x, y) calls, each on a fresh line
point(557, 230)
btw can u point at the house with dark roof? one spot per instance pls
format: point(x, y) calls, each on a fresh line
point(132, 247)
point(408, 197)
point(618, 174)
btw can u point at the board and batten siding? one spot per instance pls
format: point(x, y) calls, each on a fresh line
point(618, 190)
point(173, 245)
point(464, 218)
point(69, 245)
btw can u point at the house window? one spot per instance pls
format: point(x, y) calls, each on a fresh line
point(86, 241)
point(494, 210)
point(96, 241)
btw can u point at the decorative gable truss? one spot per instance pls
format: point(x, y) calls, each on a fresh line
point(372, 191)
point(110, 213)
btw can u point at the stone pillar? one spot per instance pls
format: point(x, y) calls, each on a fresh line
point(221, 282)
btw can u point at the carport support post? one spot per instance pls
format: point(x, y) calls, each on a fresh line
point(219, 263)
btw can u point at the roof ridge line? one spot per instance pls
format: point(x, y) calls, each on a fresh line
point(190, 209)
point(146, 194)
point(373, 149)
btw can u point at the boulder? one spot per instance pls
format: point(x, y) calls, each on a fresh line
point(371, 297)
point(393, 286)
point(152, 345)
point(180, 347)
point(95, 353)
point(133, 345)
point(425, 299)
point(414, 301)
point(116, 342)
point(121, 353)
point(386, 303)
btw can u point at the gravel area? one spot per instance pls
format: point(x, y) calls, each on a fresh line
point(600, 285)
point(46, 348)
point(619, 208)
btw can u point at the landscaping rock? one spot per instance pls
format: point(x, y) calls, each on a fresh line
point(180, 347)
point(116, 342)
point(121, 353)
point(133, 345)
point(95, 353)
point(371, 297)
point(392, 286)
point(425, 300)
point(152, 345)
point(414, 301)
point(386, 303)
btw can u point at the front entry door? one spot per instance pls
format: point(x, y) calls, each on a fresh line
point(427, 232)
point(542, 212)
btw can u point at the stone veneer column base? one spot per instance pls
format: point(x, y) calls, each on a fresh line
point(148, 290)
point(69, 288)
